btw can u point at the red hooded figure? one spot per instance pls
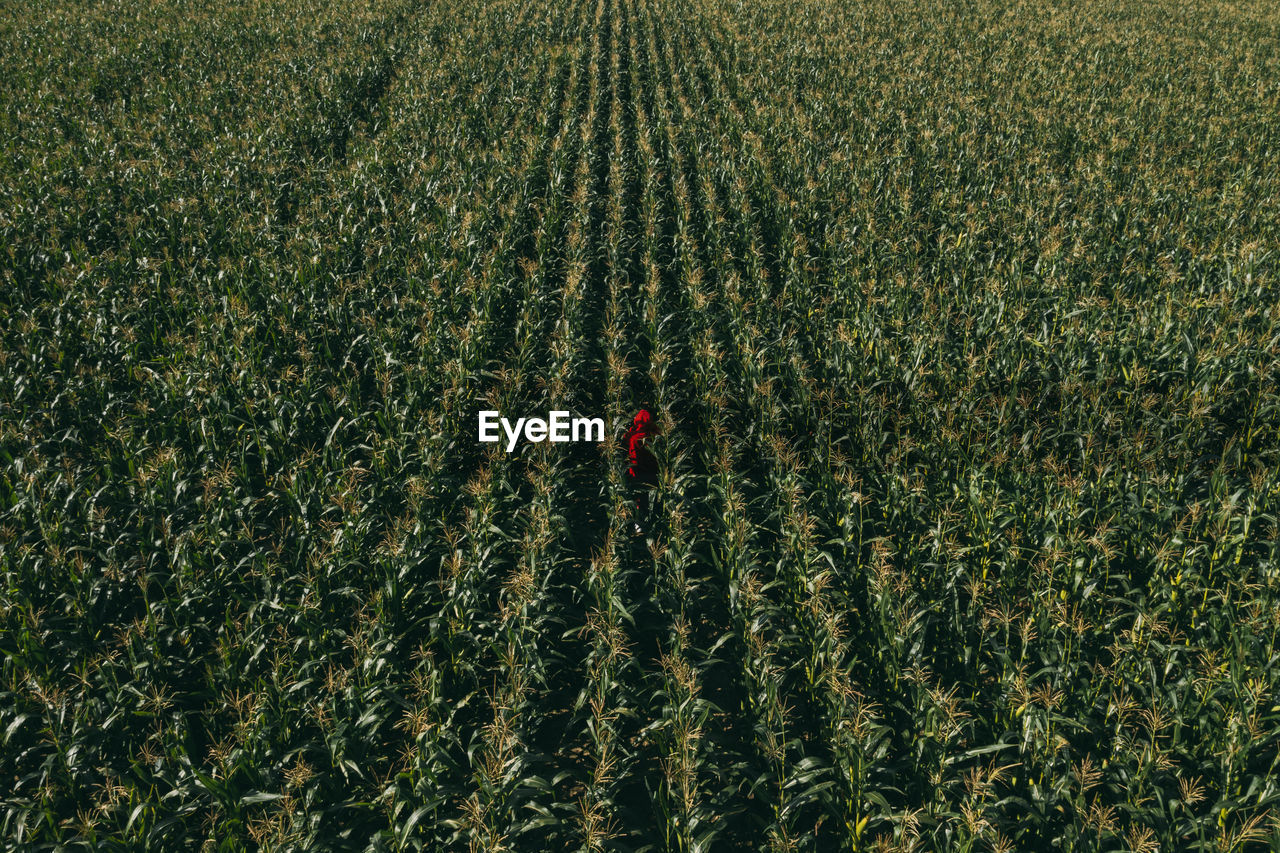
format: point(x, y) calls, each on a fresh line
point(643, 470)
point(644, 467)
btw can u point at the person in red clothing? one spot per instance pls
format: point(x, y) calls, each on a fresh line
point(642, 472)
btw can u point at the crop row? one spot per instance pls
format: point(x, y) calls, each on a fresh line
point(958, 322)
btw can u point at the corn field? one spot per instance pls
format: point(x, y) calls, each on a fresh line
point(959, 319)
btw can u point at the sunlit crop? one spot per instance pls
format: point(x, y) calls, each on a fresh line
point(959, 320)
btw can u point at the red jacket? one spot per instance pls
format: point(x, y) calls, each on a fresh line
point(643, 464)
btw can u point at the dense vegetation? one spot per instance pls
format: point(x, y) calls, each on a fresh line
point(960, 319)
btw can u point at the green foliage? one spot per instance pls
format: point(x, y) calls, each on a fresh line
point(959, 320)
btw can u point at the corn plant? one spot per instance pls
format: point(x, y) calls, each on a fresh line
point(959, 323)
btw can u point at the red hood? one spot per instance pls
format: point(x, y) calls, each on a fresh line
point(643, 423)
